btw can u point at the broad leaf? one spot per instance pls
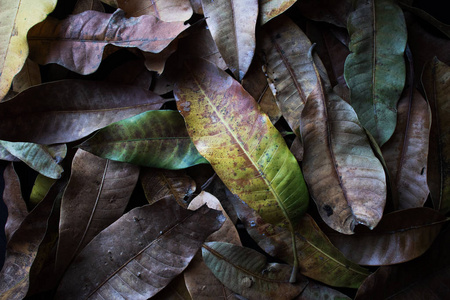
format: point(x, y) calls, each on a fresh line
point(84, 5)
point(96, 195)
point(400, 236)
point(175, 290)
point(17, 18)
point(319, 291)
point(40, 188)
point(406, 152)
point(139, 254)
point(436, 82)
point(285, 50)
point(444, 28)
point(246, 151)
point(232, 24)
point(50, 40)
point(345, 178)
point(153, 139)
point(375, 70)
point(426, 277)
point(27, 77)
point(165, 10)
point(36, 157)
point(331, 11)
point(269, 9)
point(12, 197)
point(318, 258)
point(160, 183)
point(246, 272)
point(68, 110)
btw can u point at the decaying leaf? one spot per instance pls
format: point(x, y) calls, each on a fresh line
point(345, 178)
point(96, 195)
point(145, 249)
point(17, 17)
point(269, 9)
point(375, 70)
point(436, 82)
point(246, 272)
point(88, 33)
point(27, 77)
point(232, 24)
point(155, 139)
point(331, 11)
point(165, 10)
point(317, 291)
point(64, 111)
point(84, 5)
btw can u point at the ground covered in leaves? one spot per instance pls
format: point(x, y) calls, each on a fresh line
point(226, 149)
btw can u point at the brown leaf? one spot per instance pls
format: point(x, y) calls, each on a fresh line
point(318, 291)
point(232, 24)
point(89, 32)
point(399, 237)
point(165, 10)
point(96, 195)
point(175, 290)
point(12, 197)
point(331, 11)
point(427, 277)
point(84, 5)
point(27, 77)
point(197, 6)
point(160, 183)
point(406, 152)
point(68, 110)
point(157, 61)
point(145, 249)
point(269, 9)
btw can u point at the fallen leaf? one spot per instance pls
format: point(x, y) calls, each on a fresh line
point(232, 25)
point(157, 61)
point(84, 5)
point(27, 77)
point(12, 197)
point(155, 139)
point(269, 9)
point(165, 10)
point(96, 196)
point(330, 11)
point(88, 33)
point(406, 152)
point(175, 290)
point(64, 111)
point(17, 17)
point(246, 272)
point(197, 6)
point(375, 70)
point(146, 248)
point(131, 73)
point(399, 237)
point(317, 291)
point(444, 28)
point(436, 83)
point(40, 189)
point(345, 178)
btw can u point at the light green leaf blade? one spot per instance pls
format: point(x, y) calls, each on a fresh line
point(153, 139)
point(375, 70)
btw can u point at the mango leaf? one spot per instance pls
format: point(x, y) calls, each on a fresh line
point(96, 195)
point(425, 277)
point(230, 131)
point(27, 77)
point(436, 82)
point(160, 183)
point(50, 39)
point(331, 11)
point(64, 111)
point(200, 281)
point(17, 18)
point(153, 139)
point(400, 236)
point(145, 249)
point(175, 290)
point(346, 180)
point(285, 49)
point(12, 197)
point(269, 9)
point(84, 5)
point(375, 70)
point(40, 188)
point(318, 258)
point(21, 252)
point(232, 24)
point(317, 291)
point(406, 152)
point(165, 10)
point(36, 157)
point(246, 272)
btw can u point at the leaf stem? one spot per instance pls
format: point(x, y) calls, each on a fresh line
point(293, 278)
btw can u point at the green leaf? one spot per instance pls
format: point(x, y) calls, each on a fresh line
point(246, 272)
point(153, 139)
point(375, 70)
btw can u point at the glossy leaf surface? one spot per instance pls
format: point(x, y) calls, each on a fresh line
point(68, 110)
point(229, 130)
point(375, 70)
point(246, 272)
point(153, 139)
point(146, 248)
point(232, 24)
point(88, 33)
point(17, 17)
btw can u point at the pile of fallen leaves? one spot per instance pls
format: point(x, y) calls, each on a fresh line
point(226, 149)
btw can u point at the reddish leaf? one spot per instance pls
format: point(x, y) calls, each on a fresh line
point(77, 42)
